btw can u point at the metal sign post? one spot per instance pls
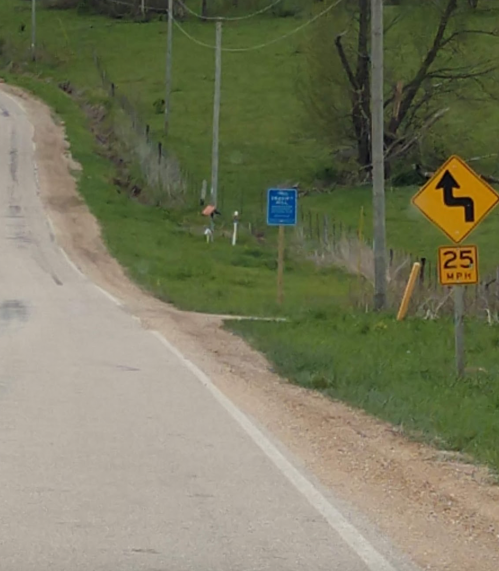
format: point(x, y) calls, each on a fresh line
point(459, 329)
point(457, 267)
point(282, 211)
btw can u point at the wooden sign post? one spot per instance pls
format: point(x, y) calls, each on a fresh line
point(280, 264)
point(282, 211)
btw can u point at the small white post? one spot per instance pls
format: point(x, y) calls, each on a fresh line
point(209, 235)
point(236, 222)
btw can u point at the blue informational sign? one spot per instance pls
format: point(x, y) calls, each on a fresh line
point(282, 207)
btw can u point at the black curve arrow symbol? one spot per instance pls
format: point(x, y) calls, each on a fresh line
point(448, 183)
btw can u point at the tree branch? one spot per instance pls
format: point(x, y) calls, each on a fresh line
point(413, 87)
point(398, 149)
point(345, 63)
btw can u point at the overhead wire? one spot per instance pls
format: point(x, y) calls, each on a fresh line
point(265, 44)
point(236, 50)
point(229, 18)
point(197, 14)
point(130, 5)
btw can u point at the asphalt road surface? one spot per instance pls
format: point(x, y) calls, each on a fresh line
point(115, 453)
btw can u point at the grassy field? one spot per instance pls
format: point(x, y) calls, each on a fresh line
point(402, 372)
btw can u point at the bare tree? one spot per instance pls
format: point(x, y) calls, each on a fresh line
point(204, 9)
point(416, 99)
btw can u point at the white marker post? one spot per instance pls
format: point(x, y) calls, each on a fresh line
point(234, 233)
point(209, 235)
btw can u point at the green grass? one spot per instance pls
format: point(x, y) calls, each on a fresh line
point(400, 372)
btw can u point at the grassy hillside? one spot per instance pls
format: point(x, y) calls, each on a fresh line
point(264, 137)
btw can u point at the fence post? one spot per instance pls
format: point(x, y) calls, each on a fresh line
point(241, 201)
point(422, 273)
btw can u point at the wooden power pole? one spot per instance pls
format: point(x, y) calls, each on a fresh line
point(169, 54)
point(33, 30)
point(216, 114)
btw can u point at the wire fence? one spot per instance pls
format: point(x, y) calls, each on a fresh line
point(330, 243)
point(167, 184)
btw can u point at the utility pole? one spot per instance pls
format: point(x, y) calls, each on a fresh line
point(169, 49)
point(216, 114)
point(33, 30)
point(377, 154)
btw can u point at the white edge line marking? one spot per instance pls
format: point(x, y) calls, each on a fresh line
point(15, 100)
point(350, 535)
point(105, 293)
point(108, 295)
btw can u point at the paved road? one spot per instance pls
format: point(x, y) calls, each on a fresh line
point(113, 455)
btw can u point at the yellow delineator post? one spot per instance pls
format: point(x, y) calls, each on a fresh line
point(409, 289)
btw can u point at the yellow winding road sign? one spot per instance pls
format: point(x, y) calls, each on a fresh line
point(456, 199)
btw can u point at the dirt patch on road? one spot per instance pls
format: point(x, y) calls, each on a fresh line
point(440, 510)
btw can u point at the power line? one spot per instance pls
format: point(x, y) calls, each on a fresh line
point(229, 18)
point(194, 13)
point(130, 5)
point(266, 44)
